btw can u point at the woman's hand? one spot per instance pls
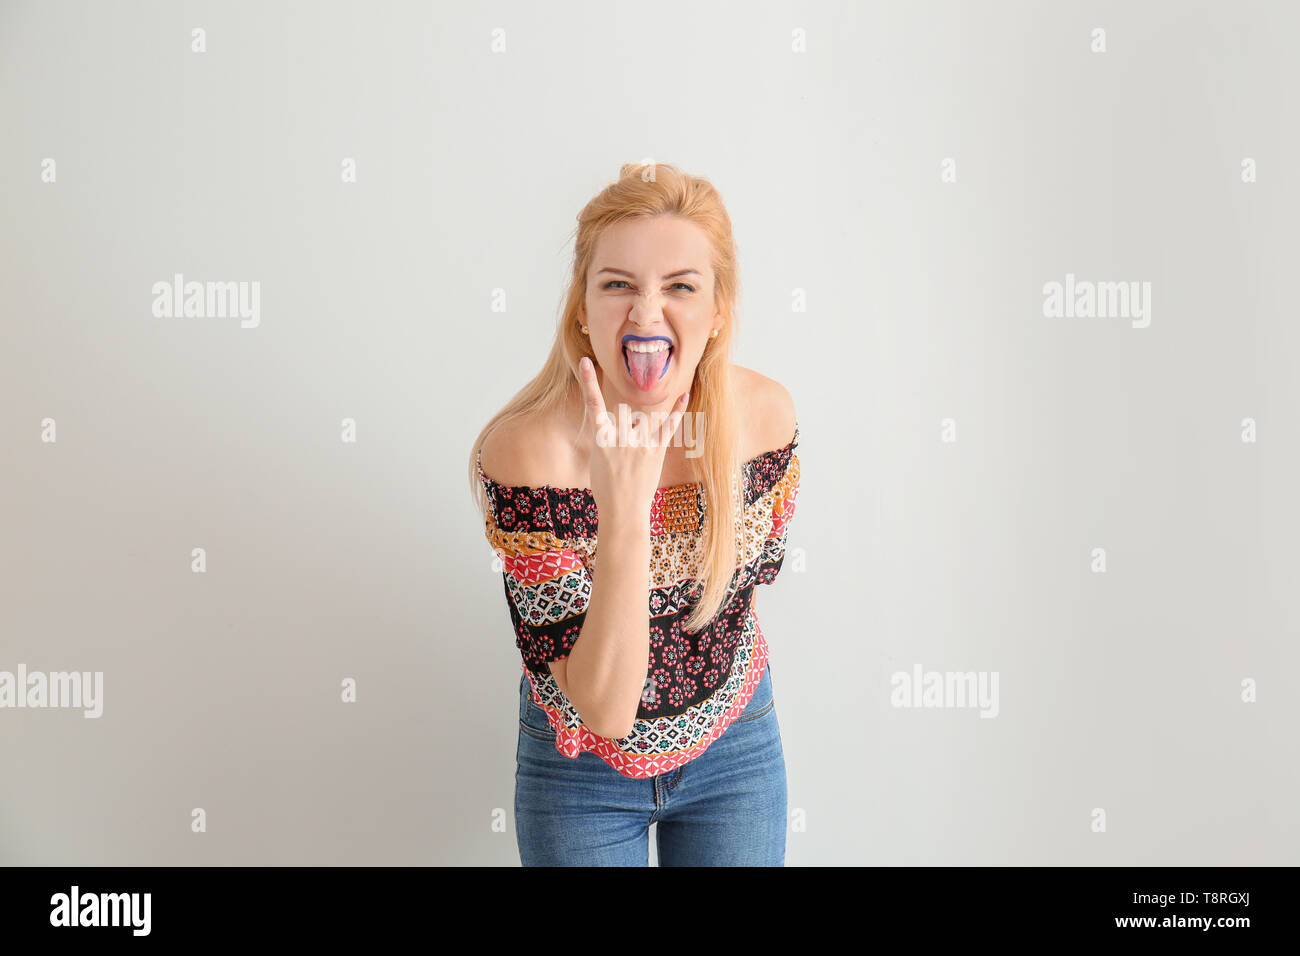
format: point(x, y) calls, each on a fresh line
point(625, 476)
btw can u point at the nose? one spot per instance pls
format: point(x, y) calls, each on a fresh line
point(646, 305)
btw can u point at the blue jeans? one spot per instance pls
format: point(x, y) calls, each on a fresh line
point(727, 807)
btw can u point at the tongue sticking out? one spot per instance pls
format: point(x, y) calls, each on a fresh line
point(646, 368)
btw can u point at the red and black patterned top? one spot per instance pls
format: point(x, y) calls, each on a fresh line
point(696, 684)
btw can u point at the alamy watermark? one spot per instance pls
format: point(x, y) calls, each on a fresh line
point(1084, 299)
point(689, 434)
point(212, 300)
point(71, 689)
point(102, 909)
point(920, 688)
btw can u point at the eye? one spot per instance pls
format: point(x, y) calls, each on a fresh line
point(613, 282)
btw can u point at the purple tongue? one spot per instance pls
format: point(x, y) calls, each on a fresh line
point(647, 367)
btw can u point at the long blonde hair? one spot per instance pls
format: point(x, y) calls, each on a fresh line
point(644, 191)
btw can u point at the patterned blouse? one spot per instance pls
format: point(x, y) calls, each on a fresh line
point(696, 684)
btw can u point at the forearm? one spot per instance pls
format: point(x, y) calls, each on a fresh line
point(607, 665)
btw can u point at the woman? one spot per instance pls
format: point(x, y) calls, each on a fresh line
point(632, 714)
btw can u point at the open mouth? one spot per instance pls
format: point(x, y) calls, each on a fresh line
point(647, 360)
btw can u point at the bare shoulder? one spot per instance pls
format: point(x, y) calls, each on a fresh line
point(532, 451)
point(769, 412)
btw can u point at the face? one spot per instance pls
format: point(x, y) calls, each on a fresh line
point(650, 286)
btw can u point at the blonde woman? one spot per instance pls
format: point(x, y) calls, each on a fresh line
point(632, 713)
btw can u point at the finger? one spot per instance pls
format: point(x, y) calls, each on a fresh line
point(668, 428)
point(594, 401)
point(637, 431)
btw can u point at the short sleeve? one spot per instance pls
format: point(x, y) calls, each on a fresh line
point(541, 538)
point(783, 493)
point(547, 593)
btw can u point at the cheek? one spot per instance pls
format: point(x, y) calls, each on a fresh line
point(689, 360)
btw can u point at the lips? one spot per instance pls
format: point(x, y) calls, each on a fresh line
point(647, 368)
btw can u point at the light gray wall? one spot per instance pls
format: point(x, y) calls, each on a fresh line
point(328, 560)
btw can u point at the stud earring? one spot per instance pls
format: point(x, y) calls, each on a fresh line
point(714, 335)
point(584, 330)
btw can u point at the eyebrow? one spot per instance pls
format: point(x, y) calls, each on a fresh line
point(671, 275)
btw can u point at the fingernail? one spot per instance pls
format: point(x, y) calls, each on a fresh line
point(584, 362)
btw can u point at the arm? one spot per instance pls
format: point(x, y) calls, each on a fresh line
point(605, 671)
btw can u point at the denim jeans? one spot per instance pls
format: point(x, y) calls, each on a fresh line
point(727, 807)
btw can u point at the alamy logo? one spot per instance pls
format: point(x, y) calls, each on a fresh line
point(102, 909)
point(1098, 300)
point(945, 689)
point(55, 689)
point(689, 434)
point(215, 300)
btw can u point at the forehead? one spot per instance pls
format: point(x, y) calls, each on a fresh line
point(654, 246)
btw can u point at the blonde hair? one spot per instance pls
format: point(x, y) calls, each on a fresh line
point(644, 191)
